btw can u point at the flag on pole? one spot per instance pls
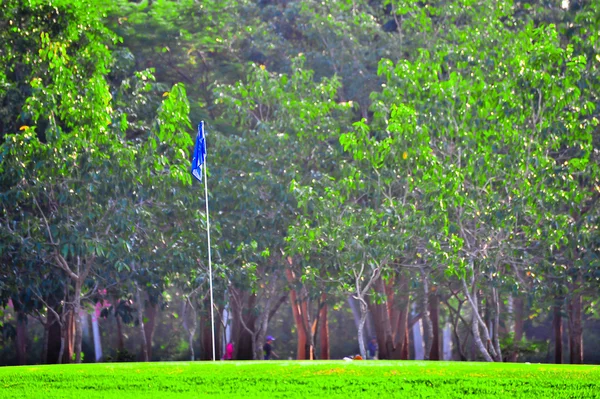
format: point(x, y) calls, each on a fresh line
point(198, 166)
point(199, 153)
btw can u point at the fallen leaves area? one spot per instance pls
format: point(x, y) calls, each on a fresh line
point(298, 379)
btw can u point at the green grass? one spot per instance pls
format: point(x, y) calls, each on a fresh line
point(287, 379)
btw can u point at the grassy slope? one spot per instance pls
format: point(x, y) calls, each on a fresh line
point(300, 379)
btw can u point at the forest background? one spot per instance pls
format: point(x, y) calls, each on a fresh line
point(421, 172)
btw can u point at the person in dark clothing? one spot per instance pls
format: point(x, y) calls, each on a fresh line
point(268, 348)
point(373, 349)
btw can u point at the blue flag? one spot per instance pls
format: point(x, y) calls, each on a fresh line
point(199, 153)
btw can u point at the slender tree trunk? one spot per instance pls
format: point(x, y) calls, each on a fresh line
point(21, 340)
point(382, 315)
point(309, 347)
point(519, 316)
point(298, 316)
point(218, 334)
point(77, 317)
point(324, 329)
point(142, 330)
point(475, 323)
point(489, 352)
point(496, 333)
point(190, 322)
point(191, 345)
point(206, 332)
point(245, 344)
point(575, 329)
point(149, 325)
point(68, 338)
point(61, 351)
point(206, 335)
point(434, 303)
point(427, 326)
point(403, 328)
point(380, 318)
point(44, 357)
point(64, 331)
point(53, 338)
point(557, 326)
point(394, 341)
point(364, 309)
point(406, 345)
point(120, 340)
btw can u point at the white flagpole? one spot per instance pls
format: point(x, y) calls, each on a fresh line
point(212, 314)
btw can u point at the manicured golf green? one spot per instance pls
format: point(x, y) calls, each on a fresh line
point(285, 379)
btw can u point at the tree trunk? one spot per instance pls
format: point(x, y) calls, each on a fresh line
point(557, 326)
point(475, 323)
point(53, 338)
point(142, 330)
point(364, 309)
point(519, 316)
point(205, 335)
point(575, 329)
point(245, 341)
point(298, 316)
point(21, 340)
point(206, 332)
point(44, 357)
point(403, 328)
point(77, 318)
point(68, 337)
point(219, 344)
point(427, 326)
point(149, 325)
point(309, 326)
point(405, 355)
point(324, 329)
point(120, 340)
point(383, 315)
point(496, 333)
point(434, 303)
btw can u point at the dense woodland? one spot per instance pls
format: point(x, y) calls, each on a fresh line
point(423, 172)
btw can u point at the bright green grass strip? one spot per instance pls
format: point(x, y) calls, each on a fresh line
point(329, 379)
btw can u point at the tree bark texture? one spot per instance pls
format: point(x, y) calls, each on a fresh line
point(557, 327)
point(434, 303)
point(403, 329)
point(427, 326)
point(323, 330)
point(496, 318)
point(364, 309)
point(149, 325)
point(140, 314)
point(575, 329)
point(245, 341)
point(21, 339)
point(298, 309)
point(205, 335)
point(68, 337)
point(386, 320)
point(54, 333)
point(476, 322)
point(77, 318)
point(519, 318)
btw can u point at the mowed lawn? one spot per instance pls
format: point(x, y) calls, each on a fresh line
point(301, 379)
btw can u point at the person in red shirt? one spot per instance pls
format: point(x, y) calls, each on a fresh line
point(228, 351)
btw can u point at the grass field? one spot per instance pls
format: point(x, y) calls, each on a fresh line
point(287, 379)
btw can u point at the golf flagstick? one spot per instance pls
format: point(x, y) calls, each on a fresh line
point(199, 163)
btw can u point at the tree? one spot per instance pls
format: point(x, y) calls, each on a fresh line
point(64, 186)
